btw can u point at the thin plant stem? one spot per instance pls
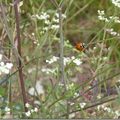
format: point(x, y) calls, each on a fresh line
point(61, 48)
point(62, 55)
point(9, 32)
point(10, 95)
point(62, 72)
point(16, 2)
point(93, 105)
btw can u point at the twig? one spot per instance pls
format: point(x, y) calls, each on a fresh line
point(16, 2)
point(93, 105)
point(54, 3)
point(99, 83)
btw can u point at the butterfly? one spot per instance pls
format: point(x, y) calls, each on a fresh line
point(80, 46)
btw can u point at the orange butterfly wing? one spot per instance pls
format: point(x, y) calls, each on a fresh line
point(79, 46)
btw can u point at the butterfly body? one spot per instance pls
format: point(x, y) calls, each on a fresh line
point(79, 46)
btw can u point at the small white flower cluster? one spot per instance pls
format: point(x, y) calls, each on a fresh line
point(37, 90)
point(35, 41)
point(37, 102)
point(70, 86)
point(43, 16)
point(52, 60)
point(5, 67)
point(108, 109)
point(52, 24)
point(76, 94)
point(67, 60)
point(103, 59)
point(112, 32)
point(82, 105)
point(48, 70)
point(7, 110)
point(72, 59)
point(77, 62)
point(71, 115)
point(116, 3)
point(31, 111)
point(7, 113)
point(116, 113)
point(102, 17)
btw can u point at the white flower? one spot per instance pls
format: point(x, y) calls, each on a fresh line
point(63, 15)
point(109, 110)
point(112, 32)
point(72, 115)
point(76, 94)
point(52, 60)
point(55, 27)
point(94, 48)
point(28, 114)
point(117, 113)
point(37, 102)
point(70, 86)
point(72, 103)
point(9, 65)
point(116, 3)
point(66, 60)
point(48, 71)
point(99, 96)
point(2, 64)
point(101, 16)
point(33, 34)
point(3, 69)
point(101, 12)
point(27, 105)
point(47, 22)
point(7, 109)
point(37, 16)
point(61, 84)
point(1, 57)
point(105, 58)
point(98, 107)
point(82, 105)
point(35, 109)
point(45, 28)
point(55, 58)
point(56, 20)
point(44, 16)
point(57, 15)
point(31, 91)
point(31, 110)
point(77, 62)
point(102, 106)
point(73, 57)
